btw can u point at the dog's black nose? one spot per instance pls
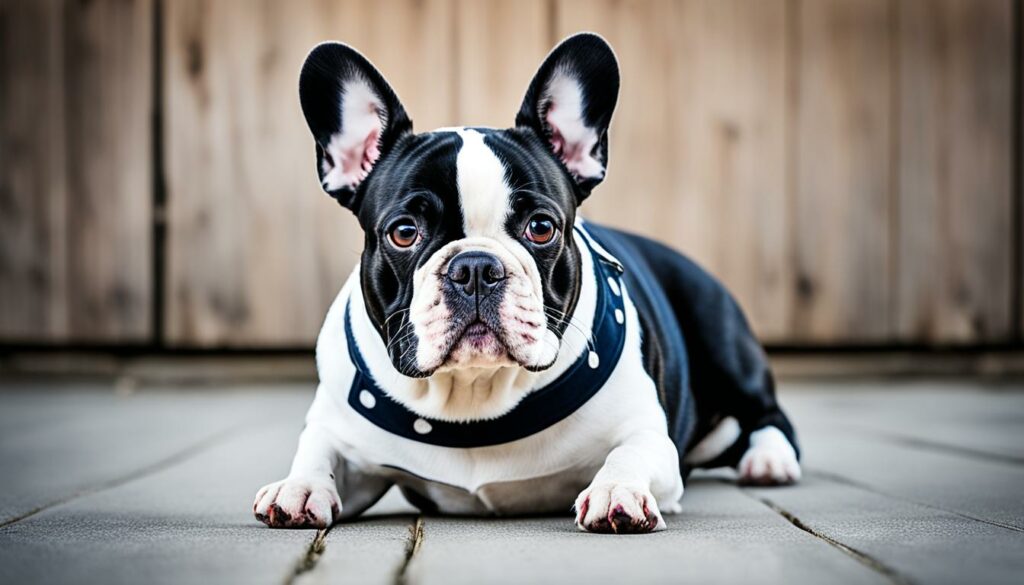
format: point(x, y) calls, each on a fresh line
point(476, 273)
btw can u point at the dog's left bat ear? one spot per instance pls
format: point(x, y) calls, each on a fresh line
point(569, 105)
point(354, 115)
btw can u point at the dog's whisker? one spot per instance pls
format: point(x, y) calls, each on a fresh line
point(569, 320)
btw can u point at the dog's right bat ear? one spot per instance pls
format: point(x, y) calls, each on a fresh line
point(354, 115)
point(569, 104)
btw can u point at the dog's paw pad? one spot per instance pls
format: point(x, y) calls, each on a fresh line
point(298, 503)
point(770, 460)
point(617, 508)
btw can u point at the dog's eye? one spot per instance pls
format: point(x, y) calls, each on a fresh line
point(541, 229)
point(404, 233)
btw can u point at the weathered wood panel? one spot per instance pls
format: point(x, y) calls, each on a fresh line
point(698, 140)
point(256, 251)
point(844, 166)
point(500, 46)
point(32, 194)
point(955, 215)
point(843, 127)
point(75, 171)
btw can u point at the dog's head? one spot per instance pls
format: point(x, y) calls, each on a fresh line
point(469, 258)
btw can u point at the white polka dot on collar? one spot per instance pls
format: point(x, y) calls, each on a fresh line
point(619, 317)
point(593, 361)
point(367, 399)
point(614, 286)
point(421, 426)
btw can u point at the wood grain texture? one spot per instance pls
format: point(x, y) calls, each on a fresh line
point(955, 171)
point(698, 139)
point(256, 251)
point(500, 46)
point(846, 167)
point(843, 127)
point(75, 171)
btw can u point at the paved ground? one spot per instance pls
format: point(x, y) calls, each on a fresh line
point(905, 482)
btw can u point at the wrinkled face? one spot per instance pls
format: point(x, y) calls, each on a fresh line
point(469, 258)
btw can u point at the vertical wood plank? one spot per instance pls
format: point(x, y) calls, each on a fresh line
point(109, 85)
point(32, 182)
point(75, 171)
point(256, 251)
point(843, 185)
point(956, 171)
point(500, 46)
point(698, 139)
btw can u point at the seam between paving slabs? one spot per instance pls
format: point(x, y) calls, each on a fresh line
point(843, 480)
point(863, 558)
point(311, 556)
point(139, 473)
point(412, 547)
point(307, 562)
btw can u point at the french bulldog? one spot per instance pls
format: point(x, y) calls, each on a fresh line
point(495, 354)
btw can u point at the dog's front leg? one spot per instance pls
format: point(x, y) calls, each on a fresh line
point(638, 475)
point(308, 497)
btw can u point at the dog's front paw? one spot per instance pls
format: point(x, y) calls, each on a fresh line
point(617, 508)
point(770, 460)
point(298, 503)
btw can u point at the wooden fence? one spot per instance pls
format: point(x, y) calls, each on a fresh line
point(850, 168)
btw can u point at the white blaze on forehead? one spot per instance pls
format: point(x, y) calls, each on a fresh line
point(483, 191)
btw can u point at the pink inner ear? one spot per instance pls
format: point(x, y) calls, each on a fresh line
point(573, 142)
point(357, 161)
point(350, 155)
point(571, 153)
point(556, 140)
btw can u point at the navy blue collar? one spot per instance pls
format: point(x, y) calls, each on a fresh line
point(539, 409)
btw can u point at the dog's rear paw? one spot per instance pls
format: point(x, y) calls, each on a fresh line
point(617, 508)
point(298, 503)
point(770, 460)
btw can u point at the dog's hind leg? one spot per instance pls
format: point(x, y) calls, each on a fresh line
point(732, 385)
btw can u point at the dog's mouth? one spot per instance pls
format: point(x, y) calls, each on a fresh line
point(477, 331)
point(480, 337)
point(479, 344)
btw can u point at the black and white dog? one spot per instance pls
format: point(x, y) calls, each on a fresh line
point(495, 354)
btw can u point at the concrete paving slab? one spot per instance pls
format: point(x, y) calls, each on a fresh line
point(369, 550)
point(722, 536)
point(918, 544)
point(187, 523)
point(54, 444)
point(157, 487)
point(191, 522)
point(985, 489)
point(969, 417)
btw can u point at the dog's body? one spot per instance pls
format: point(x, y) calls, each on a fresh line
point(494, 354)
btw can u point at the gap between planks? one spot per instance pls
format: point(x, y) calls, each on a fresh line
point(307, 562)
point(412, 547)
point(863, 558)
point(311, 556)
